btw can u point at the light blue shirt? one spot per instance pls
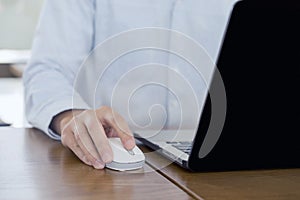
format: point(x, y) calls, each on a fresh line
point(69, 30)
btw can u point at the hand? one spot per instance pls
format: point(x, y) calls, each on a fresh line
point(85, 132)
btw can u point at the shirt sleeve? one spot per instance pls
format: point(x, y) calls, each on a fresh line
point(64, 37)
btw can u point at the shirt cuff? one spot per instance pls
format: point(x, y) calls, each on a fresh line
point(55, 109)
point(53, 134)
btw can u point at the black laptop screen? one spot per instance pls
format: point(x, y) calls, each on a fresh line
point(260, 66)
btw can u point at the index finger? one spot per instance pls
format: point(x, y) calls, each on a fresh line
point(97, 135)
point(110, 118)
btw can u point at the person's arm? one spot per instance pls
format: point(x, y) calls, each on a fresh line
point(64, 38)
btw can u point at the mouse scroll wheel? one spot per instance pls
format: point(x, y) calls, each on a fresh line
point(131, 152)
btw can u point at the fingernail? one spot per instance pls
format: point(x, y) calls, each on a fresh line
point(130, 144)
point(98, 165)
point(107, 158)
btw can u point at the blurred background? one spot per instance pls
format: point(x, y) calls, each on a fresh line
point(18, 20)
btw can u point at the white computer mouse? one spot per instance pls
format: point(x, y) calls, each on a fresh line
point(124, 159)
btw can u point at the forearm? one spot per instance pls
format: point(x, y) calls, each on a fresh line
point(48, 93)
point(59, 47)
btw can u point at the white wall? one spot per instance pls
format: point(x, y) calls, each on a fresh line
point(18, 19)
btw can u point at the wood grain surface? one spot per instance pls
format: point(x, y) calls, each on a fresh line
point(33, 166)
point(276, 184)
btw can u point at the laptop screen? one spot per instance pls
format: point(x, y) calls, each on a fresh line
point(259, 64)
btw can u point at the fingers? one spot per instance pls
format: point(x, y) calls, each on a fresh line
point(75, 148)
point(110, 118)
point(96, 162)
point(96, 137)
point(85, 152)
point(86, 135)
point(86, 144)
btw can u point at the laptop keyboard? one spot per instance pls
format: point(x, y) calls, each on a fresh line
point(186, 147)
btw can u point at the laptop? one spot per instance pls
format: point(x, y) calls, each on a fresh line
point(260, 66)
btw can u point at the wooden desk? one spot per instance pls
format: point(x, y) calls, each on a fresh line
point(32, 166)
point(279, 184)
